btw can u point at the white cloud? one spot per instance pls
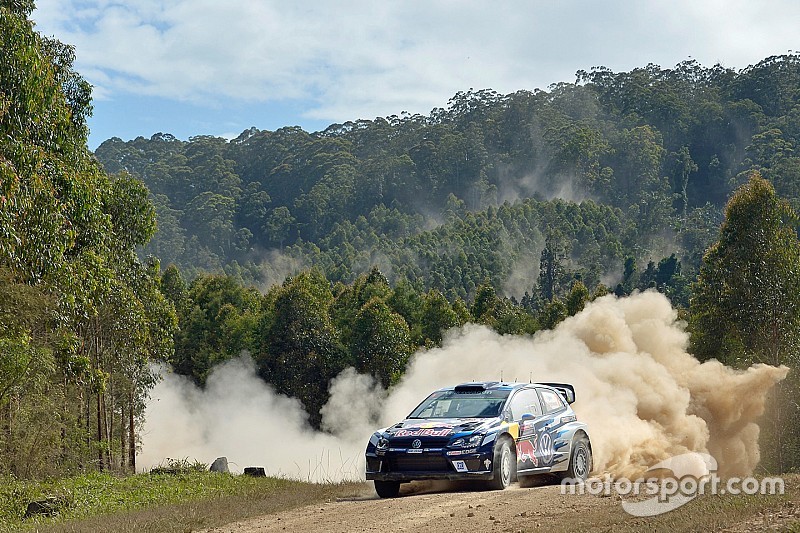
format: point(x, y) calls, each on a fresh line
point(361, 58)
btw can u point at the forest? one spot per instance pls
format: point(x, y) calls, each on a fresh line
point(614, 167)
point(357, 245)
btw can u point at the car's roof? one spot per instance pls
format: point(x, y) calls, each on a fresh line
point(565, 390)
point(476, 386)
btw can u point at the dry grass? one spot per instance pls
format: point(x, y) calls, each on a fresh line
point(245, 498)
point(207, 513)
point(182, 501)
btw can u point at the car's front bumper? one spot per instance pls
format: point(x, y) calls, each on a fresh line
point(404, 466)
point(413, 476)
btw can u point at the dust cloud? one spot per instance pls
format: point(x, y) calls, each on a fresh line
point(240, 417)
point(644, 397)
point(275, 266)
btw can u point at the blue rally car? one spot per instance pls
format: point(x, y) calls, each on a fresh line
point(487, 431)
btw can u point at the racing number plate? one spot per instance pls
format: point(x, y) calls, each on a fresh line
point(461, 466)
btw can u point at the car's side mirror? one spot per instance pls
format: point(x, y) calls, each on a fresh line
point(526, 417)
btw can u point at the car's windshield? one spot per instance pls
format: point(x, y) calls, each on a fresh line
point(452, 404)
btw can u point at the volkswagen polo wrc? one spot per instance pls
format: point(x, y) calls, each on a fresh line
point(488, 431)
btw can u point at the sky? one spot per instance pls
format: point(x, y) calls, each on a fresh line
point(218, 67)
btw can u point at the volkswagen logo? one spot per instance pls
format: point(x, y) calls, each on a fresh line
point(416, 444)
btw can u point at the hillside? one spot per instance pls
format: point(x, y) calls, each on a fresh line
point(633, 164)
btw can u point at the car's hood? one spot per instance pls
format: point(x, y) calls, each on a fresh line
point(438, 427)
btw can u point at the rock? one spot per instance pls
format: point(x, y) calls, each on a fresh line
point(255, 471)
point(220, 464)
point(46, 507)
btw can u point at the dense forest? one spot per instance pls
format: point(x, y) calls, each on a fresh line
point(623, 166)
point(357, 245)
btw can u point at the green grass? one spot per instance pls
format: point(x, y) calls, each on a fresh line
point(163, 502)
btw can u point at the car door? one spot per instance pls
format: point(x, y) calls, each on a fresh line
point(552, 406)
point(526, 410)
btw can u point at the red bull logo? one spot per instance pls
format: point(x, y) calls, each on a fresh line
point(423, 432)
point(526, 451)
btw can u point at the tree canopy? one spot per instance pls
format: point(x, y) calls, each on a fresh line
point(745, 306)
point(83, 316)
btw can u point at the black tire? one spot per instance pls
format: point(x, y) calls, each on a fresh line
point(504, 466)
point(580, 461)
point(387, 489)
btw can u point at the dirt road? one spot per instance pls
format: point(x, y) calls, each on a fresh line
point(428, 507)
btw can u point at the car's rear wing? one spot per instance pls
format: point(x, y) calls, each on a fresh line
point(566, 390)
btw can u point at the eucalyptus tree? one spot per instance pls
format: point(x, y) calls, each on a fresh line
point(745, 306)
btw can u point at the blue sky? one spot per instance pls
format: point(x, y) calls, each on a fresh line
point(218, 67)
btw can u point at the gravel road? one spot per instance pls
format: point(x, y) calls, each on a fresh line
point(424, 508)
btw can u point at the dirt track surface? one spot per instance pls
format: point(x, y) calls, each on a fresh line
point(428, 507)
point(509, 510)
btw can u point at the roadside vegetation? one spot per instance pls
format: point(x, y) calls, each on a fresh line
point(187, 500)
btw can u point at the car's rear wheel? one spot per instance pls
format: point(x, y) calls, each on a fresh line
point(387, 489)
point(504, 466)
point(580, 461)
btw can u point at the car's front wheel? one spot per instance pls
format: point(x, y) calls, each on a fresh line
point(504, 467)
point(580, 461)
point(387, 489)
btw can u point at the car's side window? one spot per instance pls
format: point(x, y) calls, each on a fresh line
point(525, 402)
point(552, 401)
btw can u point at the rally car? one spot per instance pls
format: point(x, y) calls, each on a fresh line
point(490, 431)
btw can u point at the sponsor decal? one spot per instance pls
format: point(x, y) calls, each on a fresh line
point(423, 432)
point(460, 466)
point(526, 428)
point(526, 451)
point(513, 430)
point(546, 448)
point(430, 425)
point(463, 452)
point(410, 450)
point(487, 463)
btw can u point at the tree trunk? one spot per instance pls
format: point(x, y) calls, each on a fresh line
point(131, 436)
point(100, 455)
point(64, 421)
point(778, 425)
point(109, 417)
point(122, 455)
point(86, 420)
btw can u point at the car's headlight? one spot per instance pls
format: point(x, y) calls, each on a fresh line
point(468, 442)
point(383, 443)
